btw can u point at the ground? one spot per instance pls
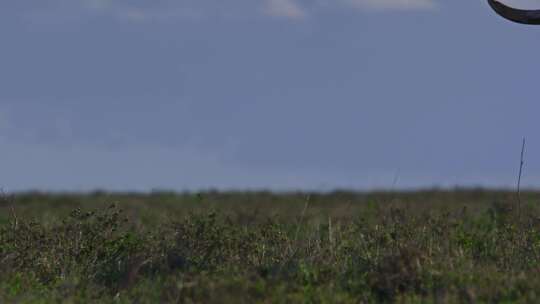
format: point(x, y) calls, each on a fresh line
point(342, 247)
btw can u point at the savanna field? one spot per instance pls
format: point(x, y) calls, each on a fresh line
point(462, 246)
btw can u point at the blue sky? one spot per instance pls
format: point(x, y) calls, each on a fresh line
point(276, 94)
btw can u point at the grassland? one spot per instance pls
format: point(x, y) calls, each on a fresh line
point(463, 246)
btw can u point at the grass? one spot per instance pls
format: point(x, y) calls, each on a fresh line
point(417, 247)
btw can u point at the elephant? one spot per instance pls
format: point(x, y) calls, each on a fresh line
point(517, 15)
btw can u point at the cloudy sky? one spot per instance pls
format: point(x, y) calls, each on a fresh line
point(278, 94)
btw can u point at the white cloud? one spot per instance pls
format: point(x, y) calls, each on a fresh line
point(151, 11)
point(145, 15)
point(285, 8)
point(391, 4)
point(62, 11)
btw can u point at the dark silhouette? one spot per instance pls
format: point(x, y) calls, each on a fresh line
point(514, 14)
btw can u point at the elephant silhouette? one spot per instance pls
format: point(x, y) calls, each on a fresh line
point(514, 14)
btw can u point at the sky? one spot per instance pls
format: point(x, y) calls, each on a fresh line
point(265, 94)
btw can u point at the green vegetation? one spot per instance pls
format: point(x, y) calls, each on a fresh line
point(418, 247)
